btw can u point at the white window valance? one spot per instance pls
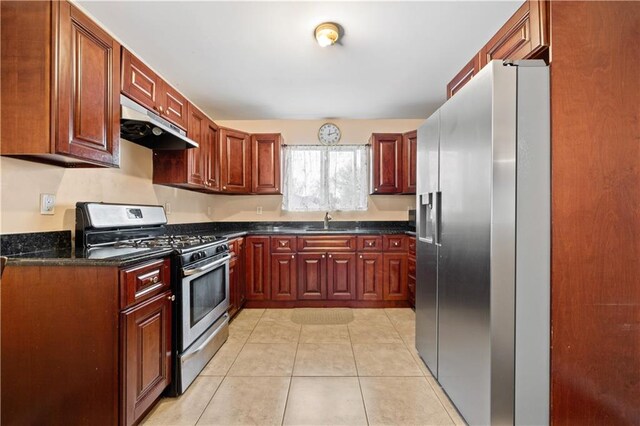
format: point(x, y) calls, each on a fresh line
point(322, 178)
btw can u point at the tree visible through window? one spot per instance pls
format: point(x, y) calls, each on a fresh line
point(321, 178)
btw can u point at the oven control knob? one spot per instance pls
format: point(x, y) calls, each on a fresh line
point(194, 256)
point(222, 248)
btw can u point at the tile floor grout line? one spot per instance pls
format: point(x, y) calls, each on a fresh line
point(295, 357)
point(209, 402)
point(364, 404)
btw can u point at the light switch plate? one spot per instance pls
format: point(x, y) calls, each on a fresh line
point(47, 204)
point(167, 207)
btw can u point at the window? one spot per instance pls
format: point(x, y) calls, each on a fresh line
point(321, 178)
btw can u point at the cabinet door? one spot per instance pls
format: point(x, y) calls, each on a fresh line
point(257, 268)
point(139, 82)
point(212, 161)
point(266, 163)
point(464, 76)
point(525, 35)
point(312, 276)
point(341, 276)
point(174, 106)
point(395, 275)
point(409, 150)
point(386, 168)
point(284, 270)
point(241, 273)
point(88, 90)
point(233, 286)
point(235, 162)
point(196, 157)
point(369, 276)
point(146, 356)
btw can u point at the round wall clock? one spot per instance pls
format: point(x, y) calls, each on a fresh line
point(329, 134)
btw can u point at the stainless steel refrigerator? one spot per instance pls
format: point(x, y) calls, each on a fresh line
point(483, 253)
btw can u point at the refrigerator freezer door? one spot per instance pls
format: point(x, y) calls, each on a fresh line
point(464, 256)
point(426, 249)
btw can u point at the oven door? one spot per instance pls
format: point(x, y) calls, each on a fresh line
point(205, 297)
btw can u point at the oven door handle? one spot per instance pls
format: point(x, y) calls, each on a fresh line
point(208, 266)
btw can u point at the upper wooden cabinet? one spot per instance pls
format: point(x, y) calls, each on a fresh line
point(386, 165)
point(192, 168)
point(235, 162)
point(265, 150)
point(60, 86)
point(464, 76)
point(524, 36)
point(393, 168)
point(141, 84)
point(409, 151)
point(212, 154)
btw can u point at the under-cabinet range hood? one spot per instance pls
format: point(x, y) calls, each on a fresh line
point(143, 127)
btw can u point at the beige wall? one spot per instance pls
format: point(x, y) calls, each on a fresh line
point(24, 181)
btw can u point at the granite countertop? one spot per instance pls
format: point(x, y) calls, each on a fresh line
point(27, 249)
point(69, 257)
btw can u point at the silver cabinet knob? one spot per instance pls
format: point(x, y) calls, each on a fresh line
point(329, 255)
point(395, 244)
point(293, 256)
point(370, 243)
point(172, 297)
point(360, 256)
point(224, 187)
point(323, 256)
point(375, 189)
point(155, 279)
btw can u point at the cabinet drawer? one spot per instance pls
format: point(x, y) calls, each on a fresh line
point(144, 281)
point(283, 244)
point(412, 267)
point(394, 243)
point(327, 242)
point(412, 245)
point(370, 243)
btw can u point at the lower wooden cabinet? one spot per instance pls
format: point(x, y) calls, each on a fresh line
point(312, 276)
point(341, 276)
point(284, 271)
point(146, 351)
point(257, 274)
point(241, 287)
point(369, 276)
point(395, 276)
point(233, 287)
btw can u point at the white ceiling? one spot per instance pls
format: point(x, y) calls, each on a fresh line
point(259, 60)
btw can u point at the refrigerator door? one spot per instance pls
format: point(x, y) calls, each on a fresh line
point(464, 255)
point(426, 241)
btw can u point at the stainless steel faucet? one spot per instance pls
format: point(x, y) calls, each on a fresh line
point(327, 218)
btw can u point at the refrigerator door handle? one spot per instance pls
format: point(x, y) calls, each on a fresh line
point(437, 223)
point(426, 225)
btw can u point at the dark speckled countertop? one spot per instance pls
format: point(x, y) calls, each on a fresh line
point(55, 248)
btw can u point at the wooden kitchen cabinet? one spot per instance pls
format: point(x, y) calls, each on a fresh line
point(341, 276)
point(257, 271)
point(235, 162)
point(411, 281)
point(284, 272)
point(409, 152)
point(144, 86)
point(146, 349)
point(60, 86)
point(190, 168)
point(265, 159)
point(242, 289)
point(212, 157)
point(524, 36)
point(386, 164)
point(464, 76)
point(312, 276)
point(395, 276)
point(233, 287)
point(369, 279)
point(100, 337)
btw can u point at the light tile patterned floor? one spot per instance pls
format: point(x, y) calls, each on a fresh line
point(272, 371)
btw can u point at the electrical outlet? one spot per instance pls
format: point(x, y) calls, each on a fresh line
point(259, 210)
point(209, 210)
point(47, 203)
point(167, 207)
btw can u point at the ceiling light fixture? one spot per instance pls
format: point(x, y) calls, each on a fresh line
point(327, 34)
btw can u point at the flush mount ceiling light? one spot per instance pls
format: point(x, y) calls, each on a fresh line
point(327, 34)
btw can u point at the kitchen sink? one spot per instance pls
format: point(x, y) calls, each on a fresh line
point(321, 230)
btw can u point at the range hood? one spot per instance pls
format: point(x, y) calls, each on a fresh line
point(141, 126)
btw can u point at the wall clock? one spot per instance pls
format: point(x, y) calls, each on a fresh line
point(329, 134)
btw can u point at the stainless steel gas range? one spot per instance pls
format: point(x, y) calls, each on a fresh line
point(200, 276)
